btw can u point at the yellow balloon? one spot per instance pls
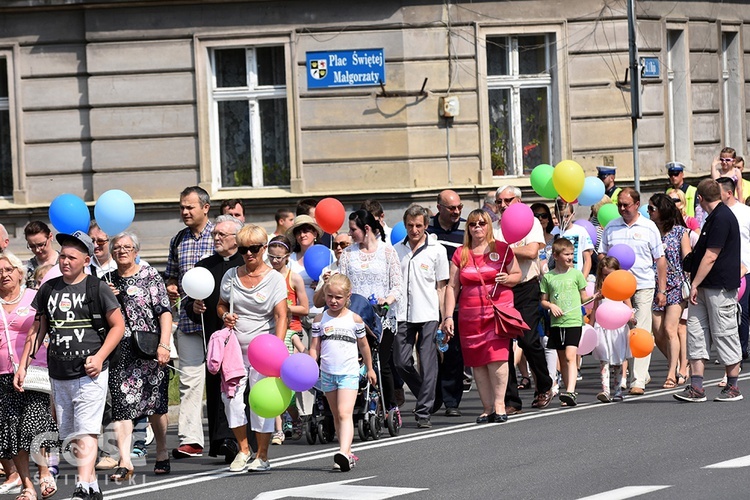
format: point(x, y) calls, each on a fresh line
point(568, 179)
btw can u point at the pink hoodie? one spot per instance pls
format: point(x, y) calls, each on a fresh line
point(225, 354)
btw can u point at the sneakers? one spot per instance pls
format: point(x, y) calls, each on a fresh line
point(692, 395)
point(81, 493)
point(617, 396)
point(604, 397)
point(296, 429)
point(424, 423)
point(138, 452)
point(287, 427)
point(188, 450)
point(344, 463)
point(95, 495)
point(259, 465)
point(568, 398)
point(278, 438)
point(239, 464)
point(729, 393)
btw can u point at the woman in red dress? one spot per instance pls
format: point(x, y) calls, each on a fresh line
point(482, 267)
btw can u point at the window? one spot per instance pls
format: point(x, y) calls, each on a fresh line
point(520, 88)
point(250, 138)
point(6, 161)
point(678, 92)
point(732, 83)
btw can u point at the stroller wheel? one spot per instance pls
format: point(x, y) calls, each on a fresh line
point(393, 420)
point(310, 431)
point(376, 425)
point(322, 435)
point(362, 429)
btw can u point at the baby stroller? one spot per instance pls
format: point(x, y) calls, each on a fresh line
point(319, 425)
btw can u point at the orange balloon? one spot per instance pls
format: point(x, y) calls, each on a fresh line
point(619, 285)
point(330, 215)
point(641, 343)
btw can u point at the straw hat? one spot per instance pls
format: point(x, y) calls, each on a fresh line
point(303, 220)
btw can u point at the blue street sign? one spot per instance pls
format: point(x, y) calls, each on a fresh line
point(345, 68)
point(650, 67)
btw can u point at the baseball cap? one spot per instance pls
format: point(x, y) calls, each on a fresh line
point(80, 239)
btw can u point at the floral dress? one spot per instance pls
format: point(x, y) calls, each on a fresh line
point(139, 386)
point(672, 243)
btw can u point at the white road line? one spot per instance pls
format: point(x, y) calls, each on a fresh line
point(625, 492)
point(327, 453)
point(735, 463)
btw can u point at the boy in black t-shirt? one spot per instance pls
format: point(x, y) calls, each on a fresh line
point(77, 353)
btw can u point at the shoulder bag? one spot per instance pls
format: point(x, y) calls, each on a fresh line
point(37, 377)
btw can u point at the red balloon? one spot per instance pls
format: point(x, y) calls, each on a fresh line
point(330, 215)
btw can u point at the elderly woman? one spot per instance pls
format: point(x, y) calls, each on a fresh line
point(139, 386)
point(39, 241)
point(25, 415)
point(374, 269)
point(253, 302)
point(482, 268)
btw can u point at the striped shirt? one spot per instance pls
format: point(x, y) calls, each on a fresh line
point(182, 258)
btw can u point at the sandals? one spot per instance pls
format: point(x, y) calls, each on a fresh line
point(670, 383)
point(525, 383)
point(28, 494)
point(121, 474)
point(162, 467)
point(48, 486)
point(681, 379)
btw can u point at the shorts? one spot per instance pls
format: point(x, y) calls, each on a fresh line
point(561, 337)
point(714, 320)
point(329, 382)
point(79, 404)
point(234, 408)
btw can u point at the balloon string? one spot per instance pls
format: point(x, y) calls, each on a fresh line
point(502, 264)
point(585, 302)
point(205, 347)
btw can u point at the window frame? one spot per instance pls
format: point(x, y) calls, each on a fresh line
point(208, 131)
point(18, 194)
point(732, 83)
point(556, 60)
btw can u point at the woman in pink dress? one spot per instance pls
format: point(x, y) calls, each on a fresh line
point(480, 267)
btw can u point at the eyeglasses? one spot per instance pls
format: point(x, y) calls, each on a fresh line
point(651, 209)
point(221, 235)
point(101, 242)
point(455, 208)
point(276, 257)
point(6, 270)
point(36, 246)
point(625, 205)
point(541, 215)
point(478, 223)
point(123, 248)
point(726, 160)
point(507, 201)
point(250, 248)
point(340, 244)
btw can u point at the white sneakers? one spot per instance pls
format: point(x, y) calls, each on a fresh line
point(259, 465)
point(239, 464)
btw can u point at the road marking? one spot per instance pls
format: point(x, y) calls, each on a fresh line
point(340, 490)
point(625, 492)
point(735, 463)
point(327, 453)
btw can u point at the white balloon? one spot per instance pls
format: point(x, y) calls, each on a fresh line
point(198, 283)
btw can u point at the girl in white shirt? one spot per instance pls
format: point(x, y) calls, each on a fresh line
point(338, 335)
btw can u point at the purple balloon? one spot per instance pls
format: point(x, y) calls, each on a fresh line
point(624, 254)
point(589, 227)
point(299, 372)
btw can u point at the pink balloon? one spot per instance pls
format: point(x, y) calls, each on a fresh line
point(516, 223)
point(743, 285)
point(613, 314)
point(266, 354)
point(589, 340)
point(590, 292)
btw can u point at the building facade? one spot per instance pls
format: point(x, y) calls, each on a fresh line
point(151, 96)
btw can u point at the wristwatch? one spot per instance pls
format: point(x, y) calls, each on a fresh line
point(224, 316)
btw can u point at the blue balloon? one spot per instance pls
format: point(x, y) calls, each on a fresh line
point(398, 233)
point(114, 211)
point(593, 191)
point(68, 213)
point(644, 211)
point(316, 258)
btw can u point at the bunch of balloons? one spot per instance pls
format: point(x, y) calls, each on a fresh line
point(613, 313)
point(567, 180)
point(114, 212)
point(285, 374)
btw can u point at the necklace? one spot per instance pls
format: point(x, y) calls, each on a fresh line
point(16, 300)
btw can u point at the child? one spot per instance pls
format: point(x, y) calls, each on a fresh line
point(613, 349)
point(80, 345)
point(39, 274)
point(278, 256)
point(725, 165)
point(563, 291)
point(337, 334)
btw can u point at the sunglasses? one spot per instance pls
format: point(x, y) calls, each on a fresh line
point(674, 173)
point(507, 201)
point(340, 244)
point(455, 208)
point(277, 257)
point(541, 215)
point(651, 209)
point(625, 205)
point(726, 160)
point(250, 248)
point(479, 223)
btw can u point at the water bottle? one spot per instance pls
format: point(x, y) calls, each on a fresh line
point(440, 341)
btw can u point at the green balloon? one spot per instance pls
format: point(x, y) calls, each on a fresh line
point(541, 181)
point(607, 214)
point(269, 397)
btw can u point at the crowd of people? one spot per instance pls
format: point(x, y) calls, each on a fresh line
point(103, 326)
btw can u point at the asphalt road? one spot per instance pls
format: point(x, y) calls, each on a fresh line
point(648, 447)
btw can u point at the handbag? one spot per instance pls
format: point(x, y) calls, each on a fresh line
point(685, 289)
point(145, 344)
point(508, 321)
point(37, 377)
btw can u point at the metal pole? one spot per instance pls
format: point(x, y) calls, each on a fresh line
point(635, 90)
